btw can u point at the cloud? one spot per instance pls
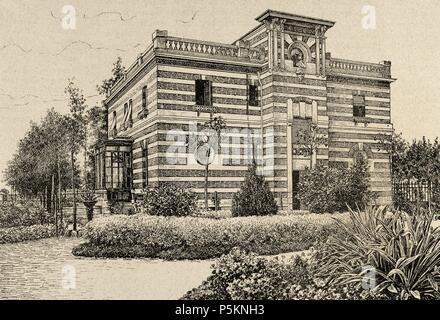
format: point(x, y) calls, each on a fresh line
point(192, 18)
point(103, 13)
point(88, 45)
point(117, 13)
point(26, 100)
point(15, 45)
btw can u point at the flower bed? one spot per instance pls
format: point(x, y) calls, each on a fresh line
point(201, 238)
point(26, 233)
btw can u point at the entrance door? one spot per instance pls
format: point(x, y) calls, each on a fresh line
point(296, 205)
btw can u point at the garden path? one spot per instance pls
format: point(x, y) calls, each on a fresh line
point(46, 269)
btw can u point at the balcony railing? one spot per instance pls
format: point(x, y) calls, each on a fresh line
point(381, 70)
point(211, 49)
point(197, 48)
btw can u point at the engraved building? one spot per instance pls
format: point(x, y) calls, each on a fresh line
point(275, 80)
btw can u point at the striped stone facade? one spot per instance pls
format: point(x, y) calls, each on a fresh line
point(153, 109)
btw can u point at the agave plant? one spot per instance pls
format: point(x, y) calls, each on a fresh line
point(404, 251)
point(89, 198)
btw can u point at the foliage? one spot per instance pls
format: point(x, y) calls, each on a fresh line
point(88, 195)
point(203, 238)
point(332, 189)
point(26, 233)
point(169, 200)
point(210, 138)
point(318, 289)
point(118, 72)
point(75, 121)
point(254, 196)
point(17, 216)
point(244, 276)
point(76, 132)
point(41, 154)
point(309, 141)
point(96, 118)
point(419, 160)
point(404, 251)
point(395, 147)
point(116, 207)
point(210, 214)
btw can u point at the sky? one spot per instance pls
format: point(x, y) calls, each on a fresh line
point(38, 55)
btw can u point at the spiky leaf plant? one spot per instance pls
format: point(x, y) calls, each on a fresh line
point(404, 251)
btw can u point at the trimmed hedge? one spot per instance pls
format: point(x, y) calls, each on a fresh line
point(26, 233)
point(174, 238)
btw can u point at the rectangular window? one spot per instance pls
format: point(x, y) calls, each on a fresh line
point(144, 97)
point(125, 110)
point(359, 106)
point(118, 170)
point(130, 113)
point(113, 125)
point(203, 93)
point(253, 95)
point(145, 166)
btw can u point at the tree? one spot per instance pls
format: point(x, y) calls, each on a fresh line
point(96, 118)
point(395, 147)
point(40, 157)
point(254, 196)
point(118, 72)
point(54, 128)
point(309, 141)
point(75, 133)
point(211, 138)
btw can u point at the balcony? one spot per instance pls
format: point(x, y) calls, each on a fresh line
point(356, 68)
point(198, 48)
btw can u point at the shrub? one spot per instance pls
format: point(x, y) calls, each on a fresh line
point(26, 215)
point(170, 200)
point(244, 276)
point(254, 197)
point(116, 207)
point(404, 251)
point(327, 189)
point(26, 233)
point(202, 238)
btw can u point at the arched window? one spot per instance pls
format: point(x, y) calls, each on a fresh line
point(360, 157)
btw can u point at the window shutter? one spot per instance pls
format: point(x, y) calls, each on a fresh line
point(144, 97)
point(208, 92)
point(125, 113)
point(253, 95)
point(130, 113)
point(199, 93)
point(256, 95)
